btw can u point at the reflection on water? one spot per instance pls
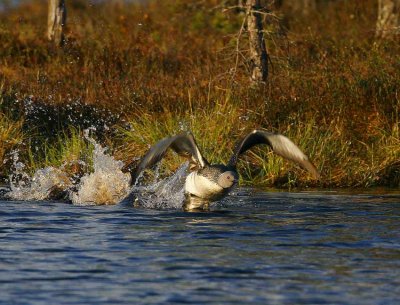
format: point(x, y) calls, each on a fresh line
point(267, 248)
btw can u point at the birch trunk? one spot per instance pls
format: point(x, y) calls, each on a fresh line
point(388, 18)
point(258, 51)
point(56, 20)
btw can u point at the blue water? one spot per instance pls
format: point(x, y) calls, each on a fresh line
point(258, 248)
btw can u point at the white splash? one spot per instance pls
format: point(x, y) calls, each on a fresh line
point(167, 193)
point(40, 186)
point(107, 184)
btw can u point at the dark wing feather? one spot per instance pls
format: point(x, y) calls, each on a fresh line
point(183, 144)
point(280, 145)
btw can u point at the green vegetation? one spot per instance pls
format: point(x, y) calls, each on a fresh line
point(152, 70)
point(70, 152)
point(10, 135)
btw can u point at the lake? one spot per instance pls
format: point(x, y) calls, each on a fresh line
point(254, 248)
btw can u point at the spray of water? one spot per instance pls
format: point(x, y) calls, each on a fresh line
point(105, 185)
point(165, 193)
point(45, 183)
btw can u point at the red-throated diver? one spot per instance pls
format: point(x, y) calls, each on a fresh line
point(210, 182)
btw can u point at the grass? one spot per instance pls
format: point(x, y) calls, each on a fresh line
point(11, 135)
point(70, 152)
point(139, 73)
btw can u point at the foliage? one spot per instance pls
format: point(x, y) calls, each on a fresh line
point(164, 67)
point(71, 152)
point(11, 136)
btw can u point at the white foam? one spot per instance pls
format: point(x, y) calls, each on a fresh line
point(106, 184)
point(40, 185)
point(167, 193)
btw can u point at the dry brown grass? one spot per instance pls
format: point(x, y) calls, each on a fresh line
point(166, 66)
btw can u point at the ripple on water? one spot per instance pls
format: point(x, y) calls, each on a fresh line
point(269, 248)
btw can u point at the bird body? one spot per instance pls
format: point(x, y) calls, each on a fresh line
point(202, 187)
point(211, 182)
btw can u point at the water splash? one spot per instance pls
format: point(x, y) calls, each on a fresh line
point(40, 186)
point(106, 184)
point(166, 193)
point(48, 182)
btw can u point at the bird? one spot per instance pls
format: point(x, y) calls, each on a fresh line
point(207, 182)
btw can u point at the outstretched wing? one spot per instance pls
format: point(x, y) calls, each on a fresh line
point(183, 144)
point(280, 145)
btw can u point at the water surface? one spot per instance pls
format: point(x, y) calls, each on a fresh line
point(254, 248)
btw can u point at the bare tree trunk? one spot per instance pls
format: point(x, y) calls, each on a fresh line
point(388, 18)
point(56, 21)
point(258, 51)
